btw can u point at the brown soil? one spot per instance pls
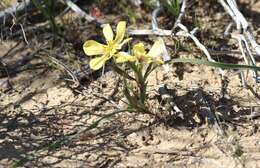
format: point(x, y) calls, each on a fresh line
point(39, 105)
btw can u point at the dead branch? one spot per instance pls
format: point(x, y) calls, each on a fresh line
point(245, 36)
point(81, 13)
point(182, 13)
point(186, 33)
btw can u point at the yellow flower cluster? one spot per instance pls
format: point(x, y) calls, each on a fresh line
point(113, 46)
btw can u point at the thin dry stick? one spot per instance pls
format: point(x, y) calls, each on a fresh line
point(186, 33)
point(247, 53)
point(242, 75)
point(67, 9)
point(245, 33)
point(81, 13)
point(155, 29)
point(155, 14)
point(62, 65)
point(144, 32)
point(11, 14)
point(24, 35)
point(181, 14)
point(228, 30)
point(211, 112)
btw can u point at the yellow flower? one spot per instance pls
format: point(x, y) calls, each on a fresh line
point(92, 48)
point(140, 55)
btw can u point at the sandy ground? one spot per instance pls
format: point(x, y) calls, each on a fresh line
point(39, 106)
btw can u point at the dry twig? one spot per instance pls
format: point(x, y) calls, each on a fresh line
point(245, 36)
point(81, 13)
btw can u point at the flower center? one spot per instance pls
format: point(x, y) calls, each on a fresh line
point(111, 48)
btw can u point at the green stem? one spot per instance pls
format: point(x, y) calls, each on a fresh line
point(141, 83)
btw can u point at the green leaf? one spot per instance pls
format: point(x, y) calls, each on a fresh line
point(173, 6)
point(46, 7)
point(133, 66)
point(149, 69)
point(132, 101)
point(214, 64)
point(122, 72)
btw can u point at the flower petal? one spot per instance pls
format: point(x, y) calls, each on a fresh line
point(92, 47)
point(124, 57)
point(159, 61)
point(139, 50)
point(108, 32)
point(157, 49)
point(123, 43)
point(97, 63)
point(120, 31)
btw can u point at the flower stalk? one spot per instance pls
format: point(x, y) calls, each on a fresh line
point(138, 63)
